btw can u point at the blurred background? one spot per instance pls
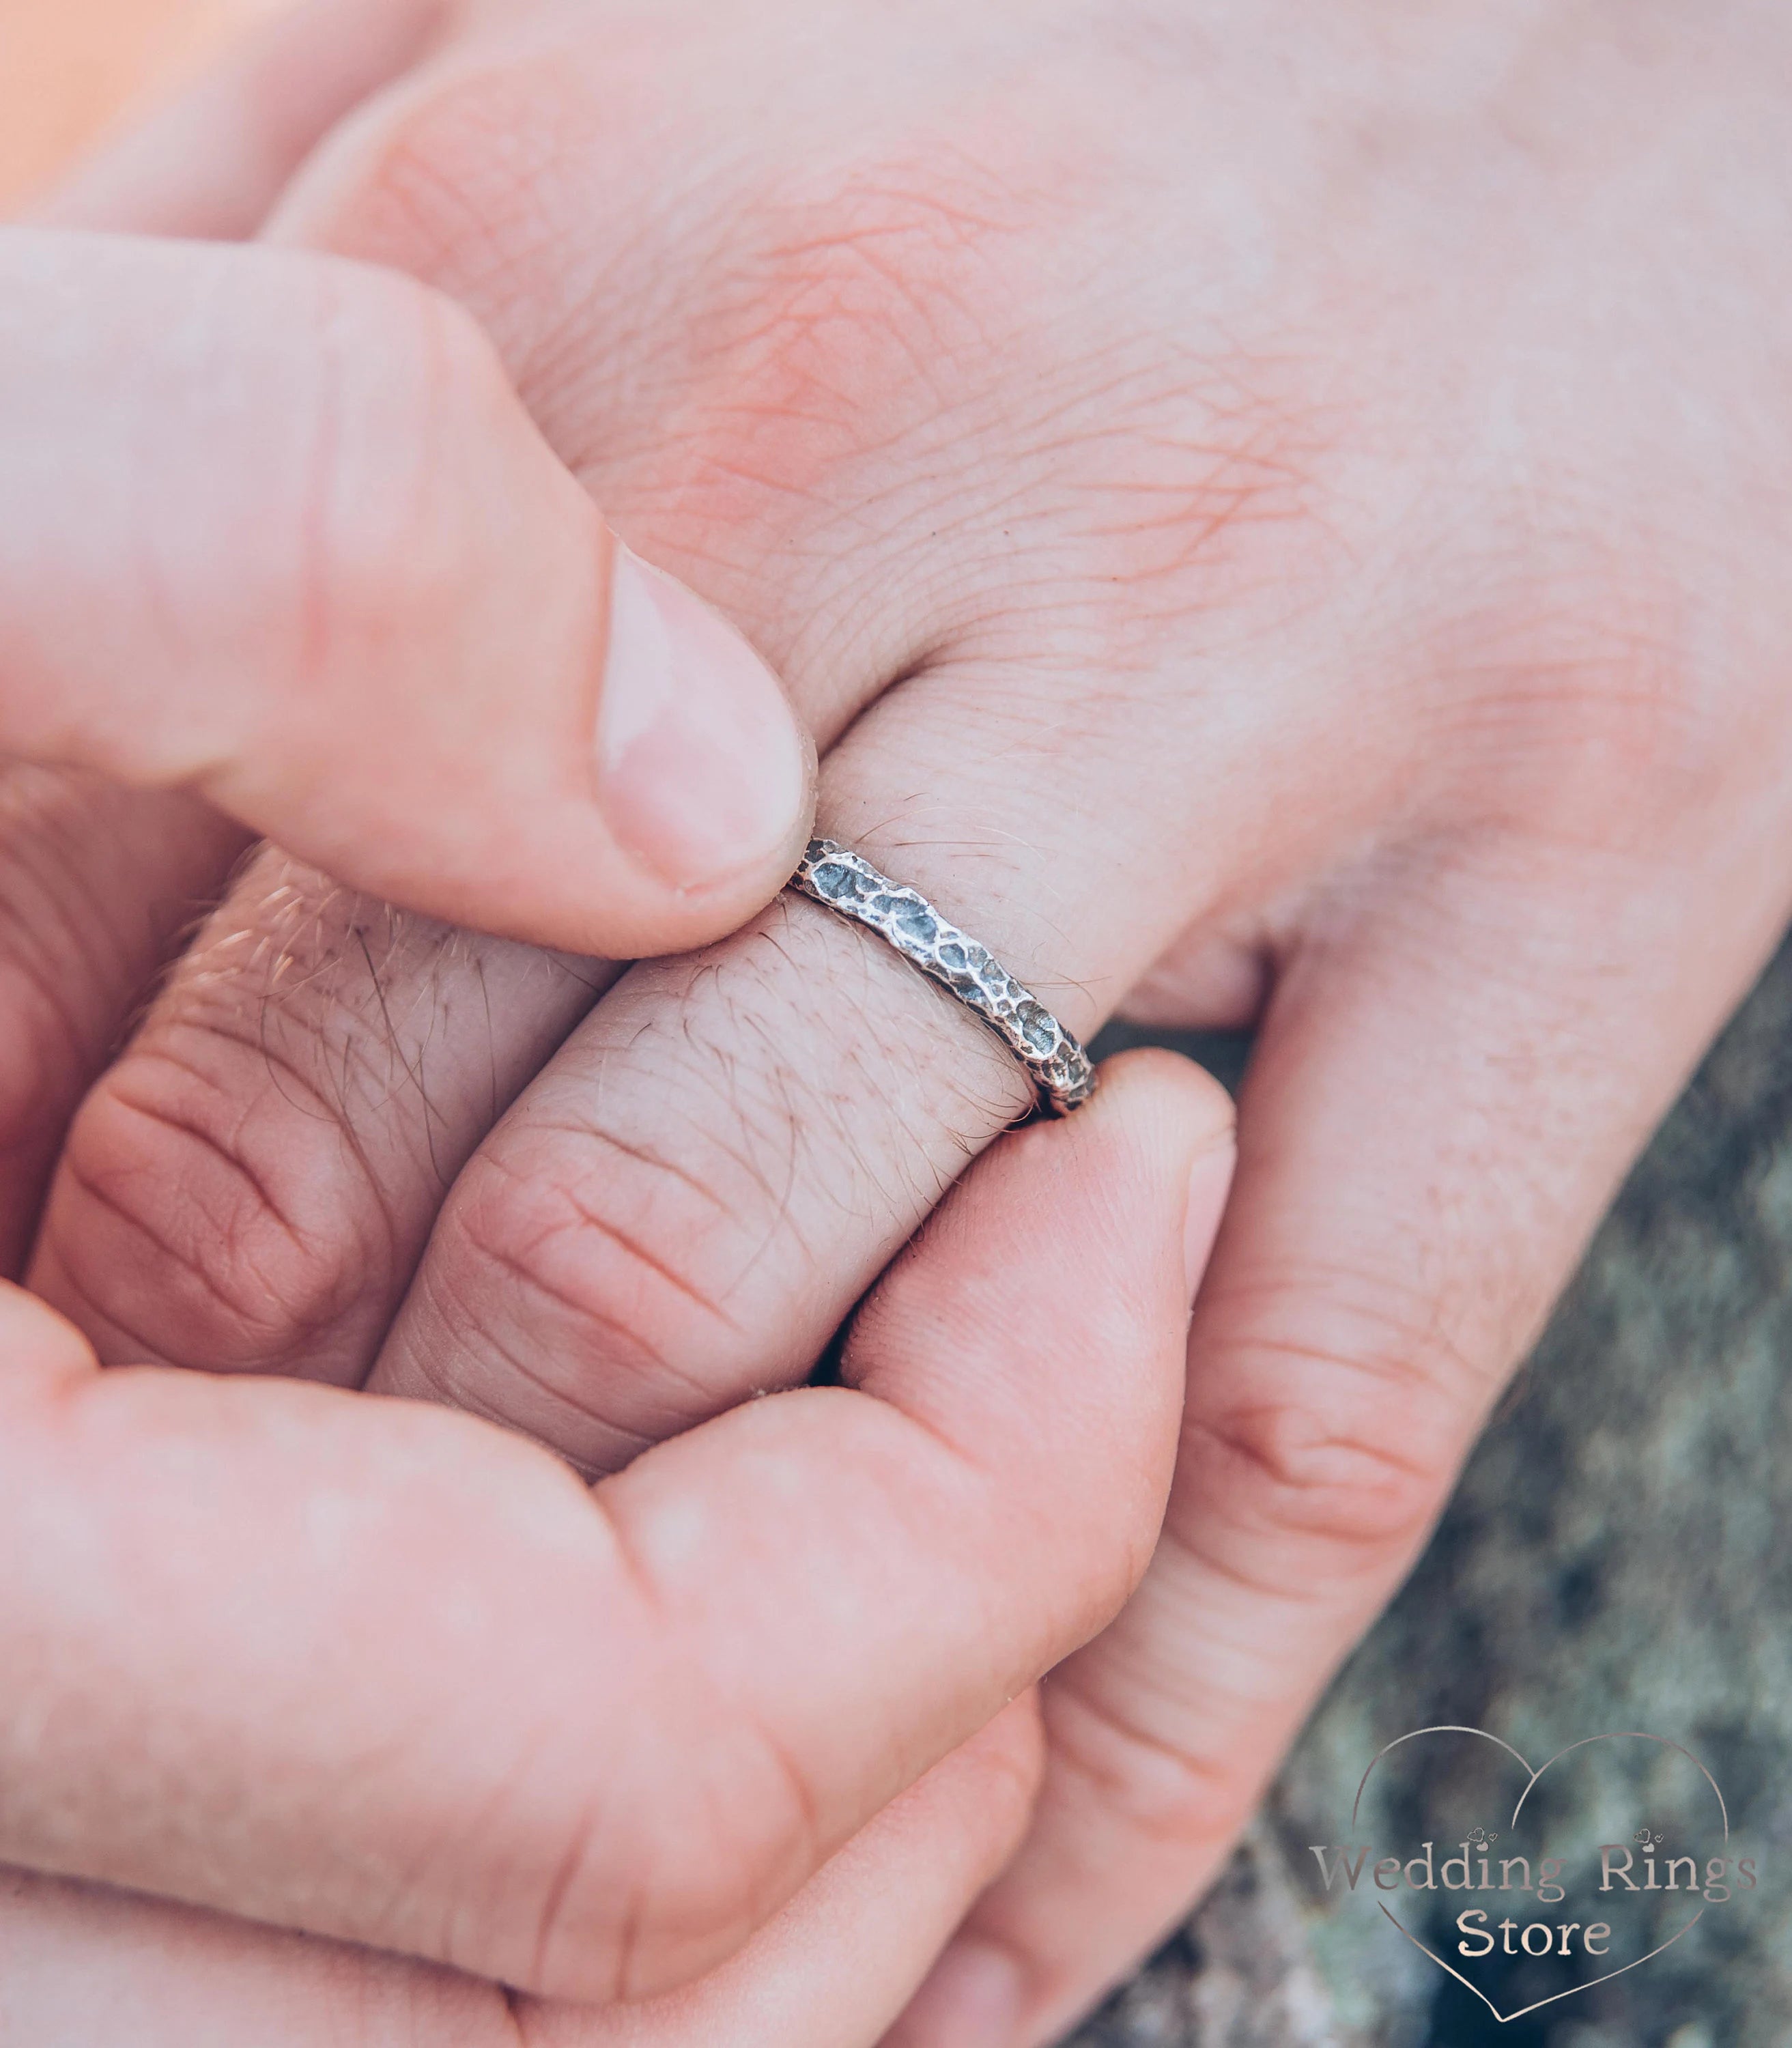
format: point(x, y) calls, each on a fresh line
point(69, 68)
point(1616, 1556)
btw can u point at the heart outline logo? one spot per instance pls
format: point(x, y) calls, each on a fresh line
point(1533, 1777)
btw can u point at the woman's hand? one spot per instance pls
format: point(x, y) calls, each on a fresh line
point(1275, 516)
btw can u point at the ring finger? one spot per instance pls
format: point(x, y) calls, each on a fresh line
point(684, 1205)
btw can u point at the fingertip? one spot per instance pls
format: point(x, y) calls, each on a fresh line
point(38, 1345)
point(1182, 1127)
point(1205, 1118)
point(705, 775)
point(1195, 1108)
point(1210, 1184)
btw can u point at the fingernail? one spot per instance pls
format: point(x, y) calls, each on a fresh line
point(1209, 1185)
point(971, 2000)
point(702, 769)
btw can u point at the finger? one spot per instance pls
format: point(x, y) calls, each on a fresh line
point(687, 1202)
point(382, 1673)
point(96, 886)
point(278, 533)
point(1439, 1109)
point(685, 1207)
point(733, 1147)
point(80, 1963)
point(212, 160)
point(841, 1960)
point(250, 1187)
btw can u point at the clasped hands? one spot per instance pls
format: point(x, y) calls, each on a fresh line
point(1274, 519)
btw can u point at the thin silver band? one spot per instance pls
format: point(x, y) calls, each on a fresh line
point(846, 881)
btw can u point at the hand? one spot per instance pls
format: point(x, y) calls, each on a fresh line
point(393, 1677)
point(1275, 517)
point(80, 1963)
point(280, 547)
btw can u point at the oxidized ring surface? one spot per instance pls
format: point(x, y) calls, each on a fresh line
point(846, 881)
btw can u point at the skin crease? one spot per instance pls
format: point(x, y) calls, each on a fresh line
point(80, 1964)
point(1328, 462)
point(390, 1674)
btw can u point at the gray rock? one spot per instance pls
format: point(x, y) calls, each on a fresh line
point(1612, 1559)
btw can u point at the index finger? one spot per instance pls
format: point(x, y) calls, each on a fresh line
point(382, 1672)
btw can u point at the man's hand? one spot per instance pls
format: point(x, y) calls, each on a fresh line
point(394, 1677)
point(82, 1964)
point(280, 548)
point(1276, 516)
point(276, 532)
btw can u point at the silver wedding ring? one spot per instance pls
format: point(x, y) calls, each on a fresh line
point(847, 883)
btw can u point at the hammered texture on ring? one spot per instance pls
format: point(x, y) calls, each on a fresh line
point(846, 881)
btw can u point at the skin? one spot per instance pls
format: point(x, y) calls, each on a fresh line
point(70, 71)
point(200, 1700)
point(396, 1677)
point(1330, 463)
point(262, 505)
point(324, 508)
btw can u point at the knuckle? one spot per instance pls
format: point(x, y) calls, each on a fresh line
point(636, 1898)
point(1342, 1482)
point(78, 942)
point(183, 1225)
point(581, 1269)
point(1348, 1438)
point(683, 1216)
point(1156, 1786)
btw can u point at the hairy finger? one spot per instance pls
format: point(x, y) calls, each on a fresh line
point(97, 886)
point(383, 1672)
point(250, 1187)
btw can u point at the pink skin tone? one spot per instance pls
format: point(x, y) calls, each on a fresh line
point(324, 508)
point(672, 1744)
point(1272, 517)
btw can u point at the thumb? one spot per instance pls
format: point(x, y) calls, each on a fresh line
point(275, 529)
